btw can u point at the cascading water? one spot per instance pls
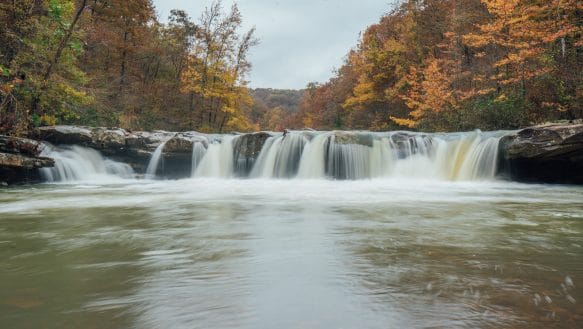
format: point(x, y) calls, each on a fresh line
point(155, 161)
point(280, 157)
point(79, 163)
point(314, 155)
point(266, 161)
point(218, 160)
point(313, 161)
point(363, 155)
point(198, 153)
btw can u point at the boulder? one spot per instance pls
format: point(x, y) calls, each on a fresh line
point(250, 145)
point(18, 169)
point(22, 146)
point(178, 144)
point(20, 160)
point(64, 135)
point(246, 151)
point(110, 141)
point(176, 159)
point(544, 154)
point(545, 142)
point(358, 138)
point(23, 162)
point(134, 148)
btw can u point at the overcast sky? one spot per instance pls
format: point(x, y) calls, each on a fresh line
point(301, 40)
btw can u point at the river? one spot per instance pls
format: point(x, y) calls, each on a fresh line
point(281, 253)
point(321, 230)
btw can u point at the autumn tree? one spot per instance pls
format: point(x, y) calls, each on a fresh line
point(460, 64)
point(534, 42)
point(42, 82)
point(216, 70)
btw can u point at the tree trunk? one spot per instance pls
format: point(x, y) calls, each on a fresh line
point(64, 41)
point(223, 123)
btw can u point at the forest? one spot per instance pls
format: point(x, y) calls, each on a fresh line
point(428, 65)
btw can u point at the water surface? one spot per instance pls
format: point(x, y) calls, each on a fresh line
point(226, 253)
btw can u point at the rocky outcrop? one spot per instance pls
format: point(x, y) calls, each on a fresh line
point(17, 161)
point(176, 159)
point(544, 154)
point(23, 146)
point(246, 151)
point(134, 148)
point(356, 138)
point(103, 139)
point(20, 160)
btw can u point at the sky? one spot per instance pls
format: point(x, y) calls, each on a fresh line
point(301, 41)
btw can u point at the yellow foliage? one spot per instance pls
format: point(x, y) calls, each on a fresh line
point(48, 120)
point(405, 122)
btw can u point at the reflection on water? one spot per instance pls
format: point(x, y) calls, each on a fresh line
point(210, 253)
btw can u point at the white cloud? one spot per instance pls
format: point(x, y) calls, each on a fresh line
point(301, 40)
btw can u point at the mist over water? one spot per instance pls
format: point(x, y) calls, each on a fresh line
point(363, 237)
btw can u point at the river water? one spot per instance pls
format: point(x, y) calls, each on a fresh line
point(278, 253)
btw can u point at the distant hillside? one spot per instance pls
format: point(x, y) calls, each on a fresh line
point(288, 99)
point(273, 108)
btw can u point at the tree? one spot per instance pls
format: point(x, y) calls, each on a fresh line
point(45, 84)
point(215, 74)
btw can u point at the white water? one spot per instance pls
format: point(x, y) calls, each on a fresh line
point(155, 161)
point(312, 164)
point(322, 155)
point(280, 157)
point(457, 157)
point(218, 160)
point(266, 161)
point(198, 153)
point(81, 163)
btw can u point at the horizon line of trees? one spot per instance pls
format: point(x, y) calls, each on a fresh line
point(432, 65)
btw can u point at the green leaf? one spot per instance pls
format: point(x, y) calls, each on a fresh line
point(36, 120)
point(5, 71)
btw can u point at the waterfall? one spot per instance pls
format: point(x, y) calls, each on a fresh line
point(313, 161)
point(363, 155)
point(218, 160)
point(280, 157)
point(77, 163)
point(198, 153)
point(480, 160)
point(266, 161)
point(287, 160)
point(155, 161)
point(314, 155)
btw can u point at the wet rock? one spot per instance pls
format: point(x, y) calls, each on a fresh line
point(23, 162)
point(134, 148)
point(22, 146)
point(544, 154)
point(20, 160)
point(176, 159)
point(178, 145)
point(18, 169)
point(545, 142)
point(246, 151)
point(109, 140)
point(250, 145)
point(358, 138)
point(65, 135)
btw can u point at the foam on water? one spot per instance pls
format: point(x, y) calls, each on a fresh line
point(78, 163)
point(318, 155)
